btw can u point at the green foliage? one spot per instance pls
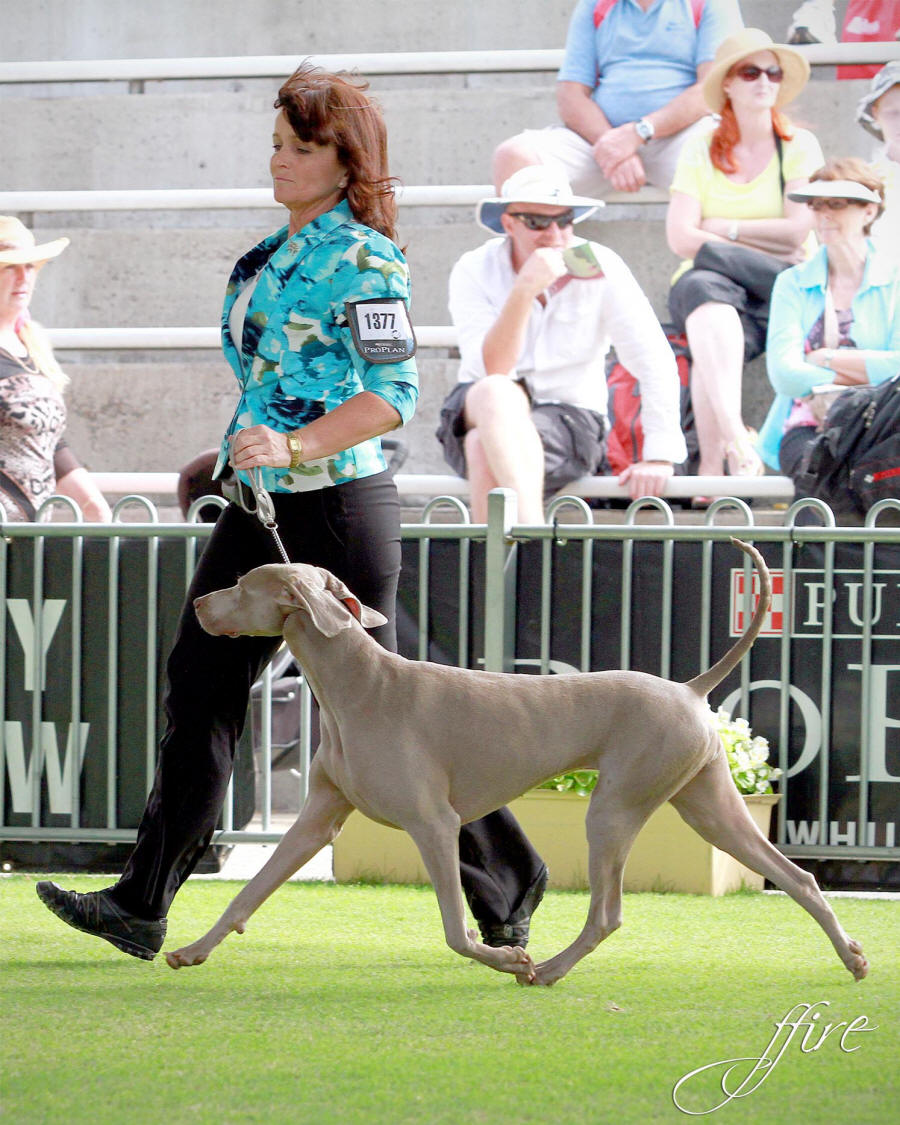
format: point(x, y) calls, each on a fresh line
point(747, 755)
point(747, 758)
point(581, 782)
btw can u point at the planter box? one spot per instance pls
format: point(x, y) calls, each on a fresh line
point(667, 855)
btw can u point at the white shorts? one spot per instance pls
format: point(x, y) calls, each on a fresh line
point(559, 145)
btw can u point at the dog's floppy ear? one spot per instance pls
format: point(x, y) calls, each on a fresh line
point(329, 607)
point(368, 618)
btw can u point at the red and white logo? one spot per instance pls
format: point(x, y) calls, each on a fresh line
point(741, 612)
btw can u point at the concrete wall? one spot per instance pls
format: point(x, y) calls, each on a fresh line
point(151, 268)
point(100, 29)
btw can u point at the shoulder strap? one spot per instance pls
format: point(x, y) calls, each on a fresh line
point(601, 11)
point(779, 148)
point(602, 7)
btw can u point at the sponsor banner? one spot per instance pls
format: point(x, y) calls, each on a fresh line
point(827, 748)
point(118, 619)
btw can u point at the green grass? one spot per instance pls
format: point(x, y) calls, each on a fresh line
point(342, 1004)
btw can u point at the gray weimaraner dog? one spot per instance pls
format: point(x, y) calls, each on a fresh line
point(425, 748)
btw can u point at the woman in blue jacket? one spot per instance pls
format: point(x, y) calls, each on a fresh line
point(835, 319)
point(316, 328)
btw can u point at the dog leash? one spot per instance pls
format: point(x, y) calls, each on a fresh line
point(265, 510)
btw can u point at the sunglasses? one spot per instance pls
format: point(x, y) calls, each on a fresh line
point(832, 204)
point(543, 222)
point(750, 73)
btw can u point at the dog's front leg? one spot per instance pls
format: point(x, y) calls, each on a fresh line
point(437, 839)
point(321, 818)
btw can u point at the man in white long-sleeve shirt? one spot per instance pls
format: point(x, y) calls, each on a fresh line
point(530, 409)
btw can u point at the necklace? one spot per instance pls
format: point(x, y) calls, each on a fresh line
point(27, 363)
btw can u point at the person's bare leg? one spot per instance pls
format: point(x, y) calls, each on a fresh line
point(712, 448)
point(481, 479)
point(503, 448)
point(716, 339)
point(511, 155)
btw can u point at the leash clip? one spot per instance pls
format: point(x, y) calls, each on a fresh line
point(265, 510)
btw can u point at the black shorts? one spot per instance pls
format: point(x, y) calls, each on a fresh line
point(698, 287)
point(573, 438)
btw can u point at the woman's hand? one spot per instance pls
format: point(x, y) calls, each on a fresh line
point(96, 511)
point(646, 478)
point(845, 366)
point(260, 445)
point(79, 486)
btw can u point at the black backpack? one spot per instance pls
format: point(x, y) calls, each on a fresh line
point(855, 461)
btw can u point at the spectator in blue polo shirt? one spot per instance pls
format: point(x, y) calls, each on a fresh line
point(628, 93)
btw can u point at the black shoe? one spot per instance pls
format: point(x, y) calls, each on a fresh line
point(515, 930)
point(96, 913)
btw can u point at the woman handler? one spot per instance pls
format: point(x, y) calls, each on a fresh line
point(316, 328)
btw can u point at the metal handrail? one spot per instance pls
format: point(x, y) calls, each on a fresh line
point(223, 199)
point(447, 486)
point(392, 62)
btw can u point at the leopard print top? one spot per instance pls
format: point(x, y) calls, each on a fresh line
point(32, 420)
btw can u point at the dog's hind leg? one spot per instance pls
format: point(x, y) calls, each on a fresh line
point(320, 820)
point(436, 835)
point(611, 830)
point(712, 806)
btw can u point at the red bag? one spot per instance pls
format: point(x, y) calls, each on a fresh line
point(625, 441)
point(868, 21)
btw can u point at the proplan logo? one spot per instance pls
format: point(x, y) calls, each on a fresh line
point(852, 605)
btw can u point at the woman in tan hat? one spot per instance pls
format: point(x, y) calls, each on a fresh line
point(35, 461)
point(732, 187)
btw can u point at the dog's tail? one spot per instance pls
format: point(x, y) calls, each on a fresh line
point(706, 681)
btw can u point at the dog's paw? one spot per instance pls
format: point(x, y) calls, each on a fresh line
point(187, 955)
point(857, 963)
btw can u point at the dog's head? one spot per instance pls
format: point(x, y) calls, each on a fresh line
point(258, 605)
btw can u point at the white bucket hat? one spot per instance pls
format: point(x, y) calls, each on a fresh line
point(835, 189)
point(537, 183)
point(888, 76)
point(18, 248)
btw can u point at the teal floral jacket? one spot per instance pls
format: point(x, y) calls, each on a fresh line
point(298, 359)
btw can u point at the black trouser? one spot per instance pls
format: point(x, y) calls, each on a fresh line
point(354, 531)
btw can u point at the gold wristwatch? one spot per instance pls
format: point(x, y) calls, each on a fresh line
point(295, 445)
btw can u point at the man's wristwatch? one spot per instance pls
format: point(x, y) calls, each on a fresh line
point(644, 129)
point(295, 445)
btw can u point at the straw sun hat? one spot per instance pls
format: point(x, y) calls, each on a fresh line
point(748, 42)
point(18, 248)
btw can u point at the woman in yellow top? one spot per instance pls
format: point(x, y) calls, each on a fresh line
point(732, 185)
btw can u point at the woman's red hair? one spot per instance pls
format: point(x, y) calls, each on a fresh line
point(328, 108)
point(727, 134)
